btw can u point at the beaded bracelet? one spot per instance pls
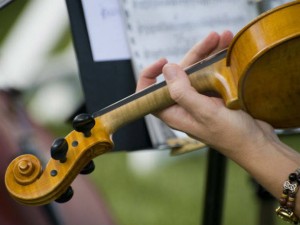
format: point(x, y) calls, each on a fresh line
point(287, 201)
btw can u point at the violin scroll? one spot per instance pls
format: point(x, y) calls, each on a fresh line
point(31, 184)
point(26, 169)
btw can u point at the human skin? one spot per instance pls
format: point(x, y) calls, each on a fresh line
point(249, 142)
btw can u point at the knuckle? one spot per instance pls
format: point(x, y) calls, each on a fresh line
point(177, 93)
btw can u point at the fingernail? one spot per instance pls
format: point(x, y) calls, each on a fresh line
point(170, 72)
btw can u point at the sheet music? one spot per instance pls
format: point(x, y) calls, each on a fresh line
point(168, 28)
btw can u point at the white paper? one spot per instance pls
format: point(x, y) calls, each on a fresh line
point(106, 30)
point(274, 3)
point(169, 28)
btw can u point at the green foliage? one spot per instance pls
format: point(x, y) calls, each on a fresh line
point(9, 15)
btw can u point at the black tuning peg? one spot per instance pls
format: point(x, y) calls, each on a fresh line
point(66, 196)
point(84, 123)
point(59, 149)
point(88, 168)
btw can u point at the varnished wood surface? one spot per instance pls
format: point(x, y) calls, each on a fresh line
point(37, 186)
point(264, 58)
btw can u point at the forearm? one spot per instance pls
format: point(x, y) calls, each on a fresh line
point(270, 165)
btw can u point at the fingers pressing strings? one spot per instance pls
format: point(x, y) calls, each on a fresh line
point(213, 43)
point(201, 49)
point(225, 40)
point(149, 74)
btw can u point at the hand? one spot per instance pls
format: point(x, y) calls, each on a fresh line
point(249, 142)
point(202, 117)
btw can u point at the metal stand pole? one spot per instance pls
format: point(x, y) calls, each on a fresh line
point(215, 188)
point(267, 204)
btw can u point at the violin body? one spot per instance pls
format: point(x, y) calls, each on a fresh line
point(264, 58)
point(259, 73)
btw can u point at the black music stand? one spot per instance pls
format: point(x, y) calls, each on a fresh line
point(105, 82)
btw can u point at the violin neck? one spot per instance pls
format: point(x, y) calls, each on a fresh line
point(157, 97)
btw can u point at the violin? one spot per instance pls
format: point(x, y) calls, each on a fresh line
point(259, 73)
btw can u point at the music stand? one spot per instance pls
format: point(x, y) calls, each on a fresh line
point(105, 82)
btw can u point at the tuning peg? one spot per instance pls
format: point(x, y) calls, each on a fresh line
point(84, 123)
point(88, 168)
point(59, 149)
point(66, 196)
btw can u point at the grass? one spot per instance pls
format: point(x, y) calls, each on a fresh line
point(161, 196)
point(173, 192)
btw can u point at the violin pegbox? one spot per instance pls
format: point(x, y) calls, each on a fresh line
point(31, 184)
point(84, 123)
